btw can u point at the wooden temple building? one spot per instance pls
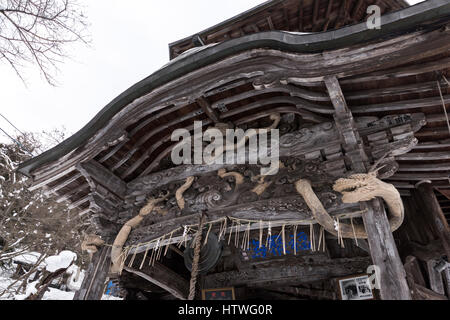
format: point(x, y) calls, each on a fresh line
point(364, 160)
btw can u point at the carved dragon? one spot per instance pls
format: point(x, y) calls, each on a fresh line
point(275, 117)
point(355, 188)
point(122, 236)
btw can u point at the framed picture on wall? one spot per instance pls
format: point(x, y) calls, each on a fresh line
point(355, 288)
point(218, 294)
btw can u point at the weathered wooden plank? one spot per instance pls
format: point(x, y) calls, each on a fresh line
point(63, 184)
point(424, 167)
point(436, 283)
point(392, 276)
point(418, 156)
point(412, 70)
point(206, 107)
point(419, 176)
point(400, 105)
point(288, 274)
point(72, 192)
point(383, 250)
point(93, 169)
point(39, 183)
point(95, 278)
point(79, 202)
point(388, 92)
point(432, 210)
point(164, 278)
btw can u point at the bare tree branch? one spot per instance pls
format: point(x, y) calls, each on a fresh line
point(38, 32)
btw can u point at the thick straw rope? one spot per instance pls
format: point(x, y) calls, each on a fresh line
point(197, 249)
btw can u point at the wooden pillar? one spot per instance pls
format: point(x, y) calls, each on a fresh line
point(433, 212)
point(95, 277)
point(384, 253)
point(383, 250)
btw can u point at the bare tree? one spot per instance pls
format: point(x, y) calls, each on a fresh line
point(29, 220)
point(38, 32)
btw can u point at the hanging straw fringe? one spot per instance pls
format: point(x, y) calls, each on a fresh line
point(207, 235)
point(134, 256)
point(168, 244)
point(235, 227)
point(143, 260)
point(229, 238)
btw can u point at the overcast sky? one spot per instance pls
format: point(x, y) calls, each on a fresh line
point(130, 41)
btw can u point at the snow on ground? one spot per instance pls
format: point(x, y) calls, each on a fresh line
point(28, 258)
point(51, 294)
point(51, 264)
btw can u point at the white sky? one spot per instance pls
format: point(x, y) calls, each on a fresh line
point(130, 41)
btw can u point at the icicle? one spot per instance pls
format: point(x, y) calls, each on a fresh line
point(311, 237)
point(151, 257)
point(145, 256)
point(340, 238)
point(168, 243)
point(207, 235)
point(224, 231)
point(269, 235)
point(134, 256)
point(244, 238)
point(443, 106)
point(158, 244)
point(320, 239)
point(354, 232)
point(183, 237)
point(295, 240)
point(236, 237)
point(260, 233)
point(324, 247)
point(248, 236)
point(231, 231)
point(336, 227)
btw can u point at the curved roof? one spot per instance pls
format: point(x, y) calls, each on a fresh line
point(394, 23)
point(286, 15)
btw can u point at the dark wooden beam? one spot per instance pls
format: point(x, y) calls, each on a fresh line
point(356, 9)
point(206, 107)
point(419, 176)
point(63, 184)
point(95, 277)
point(315, 12)
point(300, 16)
point(424, 167)
point(66, 196)
point(289, 274)
point(94, 170)
point(383, 250)
point(424, 156)
point(399, 72)
point(400, 105)
point(433, 212)
point(164, 278)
